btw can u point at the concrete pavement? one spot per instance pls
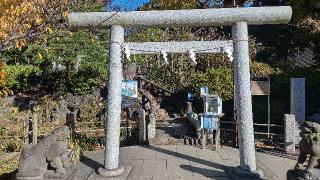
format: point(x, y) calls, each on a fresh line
point(183, 162)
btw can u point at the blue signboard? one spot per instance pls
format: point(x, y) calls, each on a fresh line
point(208, 122)
point(190, 96)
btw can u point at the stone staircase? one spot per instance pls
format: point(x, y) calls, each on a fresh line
point(170, 128)
point(165, 127)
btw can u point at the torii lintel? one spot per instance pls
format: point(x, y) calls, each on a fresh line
point(183, 18)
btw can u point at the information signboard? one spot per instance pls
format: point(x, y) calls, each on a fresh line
point(260, 86)
point(212, 104)
point(129, 93)
point(129, 88)
point(208, 122)
point(203, 90)
point(190, 96)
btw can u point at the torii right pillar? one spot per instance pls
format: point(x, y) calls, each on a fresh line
point(241, 67)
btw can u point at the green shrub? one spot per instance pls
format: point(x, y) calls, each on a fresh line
point(218, 80)
point(87, 79)
point(263, 69)
point(20, 76)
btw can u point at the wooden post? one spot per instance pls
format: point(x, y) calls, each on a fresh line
point(71, 120)
point(203, 138)
point(234, 124)
point(127, 125)
point(142, 126)
point(34, 129)
point(217, 137)
point(189, 109)
point(26, 131)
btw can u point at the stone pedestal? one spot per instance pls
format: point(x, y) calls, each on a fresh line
point(71, 174)
point(120, 173)
point(238, 173)
point(298, 175)
point(289, 135)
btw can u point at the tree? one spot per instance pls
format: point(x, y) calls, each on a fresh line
point(23, 20)
point(302, 31)
point(29, 66)
point(306, 25)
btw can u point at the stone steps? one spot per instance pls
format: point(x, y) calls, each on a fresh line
point(165, 141)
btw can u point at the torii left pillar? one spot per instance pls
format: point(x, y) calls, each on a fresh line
point(112, 124)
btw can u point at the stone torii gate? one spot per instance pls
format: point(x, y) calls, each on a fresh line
point(238, 18)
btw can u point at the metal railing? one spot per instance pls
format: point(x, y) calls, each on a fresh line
point(268, 133)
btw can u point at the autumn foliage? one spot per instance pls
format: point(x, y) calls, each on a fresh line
point(3, 90)
point(22, 20)
point(2, 74)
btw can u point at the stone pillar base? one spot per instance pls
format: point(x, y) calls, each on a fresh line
point(120, 173)
point(237, 173)
point(111, 173)
point(29, 178)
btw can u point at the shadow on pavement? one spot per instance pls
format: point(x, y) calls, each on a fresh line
point(190, 158)
point(90, 163)
point(208, 173)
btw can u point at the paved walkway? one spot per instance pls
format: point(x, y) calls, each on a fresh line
point(183, 162)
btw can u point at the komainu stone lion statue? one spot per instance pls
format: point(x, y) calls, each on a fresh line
point(47, 159)
point(309, 145)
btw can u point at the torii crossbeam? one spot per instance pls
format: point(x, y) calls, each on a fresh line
point(238, 18)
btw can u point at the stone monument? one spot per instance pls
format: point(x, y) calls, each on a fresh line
point(48, 159)
point(297, 103)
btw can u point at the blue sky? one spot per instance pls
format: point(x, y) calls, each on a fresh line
point(127, 4)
